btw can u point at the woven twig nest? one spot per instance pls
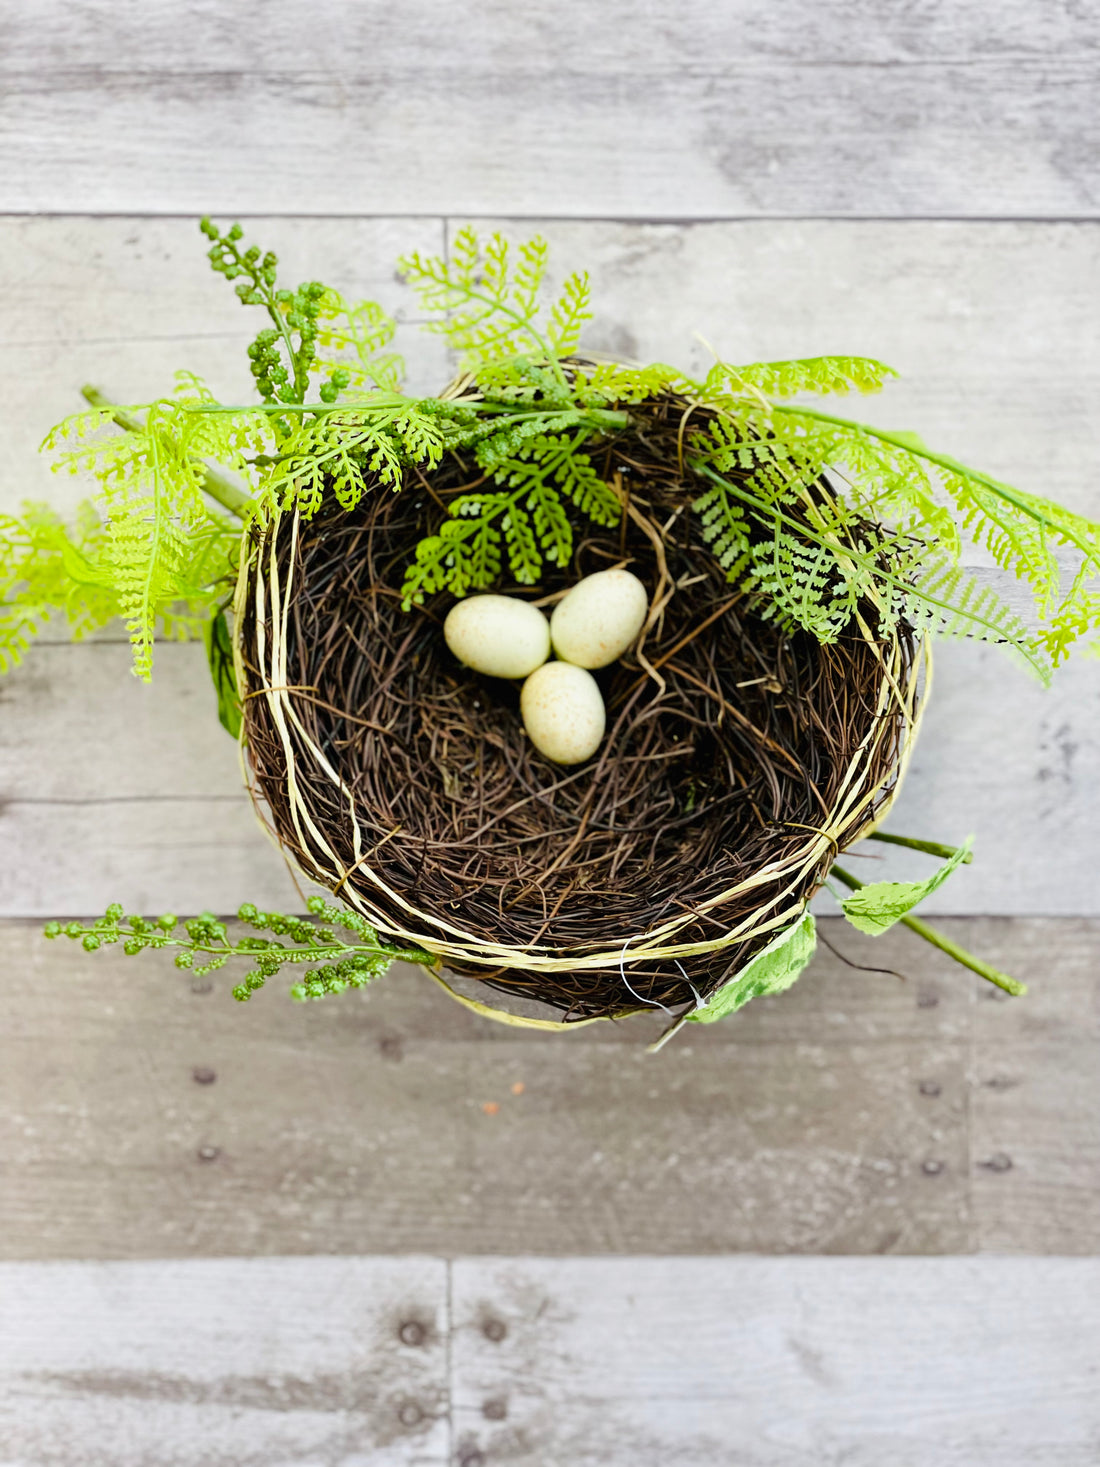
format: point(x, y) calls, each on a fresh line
point(739, 758)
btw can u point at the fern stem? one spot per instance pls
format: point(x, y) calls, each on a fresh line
point(219, 488)
point(929, 847)
point(604, 420)
point(945, 944)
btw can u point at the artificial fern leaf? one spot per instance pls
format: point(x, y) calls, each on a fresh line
point(569, 313)
point(358, 333)
point(525, 520)
point(489, 310)
point(599, 384)
point(46, 567)
point(806, 374)
point(556, 458)
point(158, 524)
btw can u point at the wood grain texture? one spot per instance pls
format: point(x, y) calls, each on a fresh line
point(682, 110)
point(144, 1114)
point(777, 1363)
point(226, 1364)
point(534, 1362)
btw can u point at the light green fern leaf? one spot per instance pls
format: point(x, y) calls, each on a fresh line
point(569, 313)
point(604, 384)
point(353, 337)
point(46, 567)
point(557, 459)
point(157, 521)
point(807, 374)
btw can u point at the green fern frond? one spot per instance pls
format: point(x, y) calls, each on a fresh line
point(359, 333)
point(569, 313)
point(524, 521)
point(46, 567)
point(489, 310)
point(818, 375)
point(157, 523)
point(603, 384)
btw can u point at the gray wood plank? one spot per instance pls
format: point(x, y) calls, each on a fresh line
point(1035, 1100)
point(144, 1114)
point(994, 327)
point(618, 1362)
point(699, 111)
point(248, 1363)
point(777, 1363)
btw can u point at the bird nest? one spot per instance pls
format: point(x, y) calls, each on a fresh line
point(740, 757)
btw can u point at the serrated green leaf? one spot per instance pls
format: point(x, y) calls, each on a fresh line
point(219, 655)
point(876, 907)
point(772, 970)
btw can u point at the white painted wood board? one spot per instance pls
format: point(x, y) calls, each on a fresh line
point(670, 110)
point(293, 1362)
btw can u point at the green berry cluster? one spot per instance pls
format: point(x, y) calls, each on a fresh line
point(340, 964)
point(280, 364)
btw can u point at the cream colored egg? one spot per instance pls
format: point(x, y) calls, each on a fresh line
point(498, 635)
point(598, 619)
point(563, 712)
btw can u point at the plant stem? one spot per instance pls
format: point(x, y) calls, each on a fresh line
point(220, 489)
point(929, 847)
point(606, 420)
point(945, 944)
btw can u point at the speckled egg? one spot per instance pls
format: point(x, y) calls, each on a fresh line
point(597, 620)
point(563, 712)
point(500, 636)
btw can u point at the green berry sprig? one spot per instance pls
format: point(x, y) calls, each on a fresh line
point(340, 964)
point(291, 311)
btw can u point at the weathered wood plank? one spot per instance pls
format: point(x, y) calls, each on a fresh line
point(226, 1364)
point(699, 111)
point(617, 1362)
point(995, 327)
point(1035, 1102)
point(777, 1363)
point(143, 1113)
